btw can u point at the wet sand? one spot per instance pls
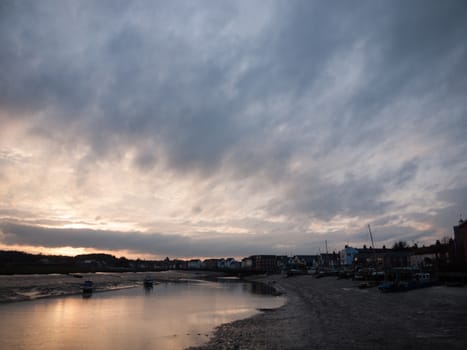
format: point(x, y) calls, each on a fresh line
point(328, 313)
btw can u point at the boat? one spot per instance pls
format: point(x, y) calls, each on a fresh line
point(406, 279)
point(296, 272)
point(148, 282)
point(368, 284)
point(88, 287)
point(326, 272)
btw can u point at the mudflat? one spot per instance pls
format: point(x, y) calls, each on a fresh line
point(328, 313)
point(29, 287)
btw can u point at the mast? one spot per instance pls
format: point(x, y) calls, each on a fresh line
point(371, 237)
point(327, 255)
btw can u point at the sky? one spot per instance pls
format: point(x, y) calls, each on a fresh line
point(230, 128)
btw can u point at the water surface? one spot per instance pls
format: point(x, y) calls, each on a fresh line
point(169, 316)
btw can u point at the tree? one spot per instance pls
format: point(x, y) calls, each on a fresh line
point(446, 240)
point(401, 245)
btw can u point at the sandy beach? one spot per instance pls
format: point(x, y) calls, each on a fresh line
point(328, 313)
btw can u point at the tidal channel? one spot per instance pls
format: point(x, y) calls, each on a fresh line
point(171, 315)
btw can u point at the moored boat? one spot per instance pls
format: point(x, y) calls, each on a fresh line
point(88, 287)
point(406, 279)
point(148, 282)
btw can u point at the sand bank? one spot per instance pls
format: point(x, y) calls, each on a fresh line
point(29, 287)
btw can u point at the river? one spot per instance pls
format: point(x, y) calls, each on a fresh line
point(171, 315)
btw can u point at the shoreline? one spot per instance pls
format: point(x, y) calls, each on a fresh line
point(331, 314)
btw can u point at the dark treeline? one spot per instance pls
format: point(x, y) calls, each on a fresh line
point(15, 262)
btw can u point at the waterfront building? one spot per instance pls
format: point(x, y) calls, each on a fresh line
point(247, 263)
point(308, 261)
point(460, 240)
point(347, 255)
point(210, 264)
point(194, 264)
point(329, 260)
point(382, 258)
point(232, 264)
point(264, 263)
point(178, 264)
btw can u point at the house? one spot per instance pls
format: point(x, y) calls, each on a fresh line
point(232, 264)
point(307, 261)
point(264, 263)
point(460, 241)
point(194, 264)
point(347, 255)
point(247, 263)
point(423, 260)
point(178, 264)
point(382, 258)
point(331, 260)
point(282, 262)
point(210, 264)
point(221, 264)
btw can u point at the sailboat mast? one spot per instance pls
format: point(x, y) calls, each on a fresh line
point(371, 237)
point(327, 255)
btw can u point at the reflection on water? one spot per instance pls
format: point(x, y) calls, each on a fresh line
point(168, 316)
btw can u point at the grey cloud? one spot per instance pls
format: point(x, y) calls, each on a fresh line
point(157, 244)
point(388, 235)
point(454, 206)
point(407, 172)
point(146, 160)
point(456, 199)
point(311, 195)
point(455, 196)
point(415, 43)
point(149, 79)
point(314, 198)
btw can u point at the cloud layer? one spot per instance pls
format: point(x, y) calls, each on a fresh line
point(231, 127)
